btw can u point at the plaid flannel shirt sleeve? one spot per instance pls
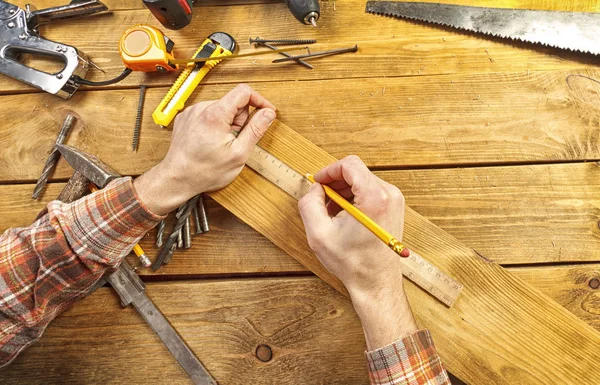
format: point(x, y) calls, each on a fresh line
point(412, 360)
point(46, 267)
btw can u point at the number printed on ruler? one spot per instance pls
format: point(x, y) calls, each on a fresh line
point(415, 267)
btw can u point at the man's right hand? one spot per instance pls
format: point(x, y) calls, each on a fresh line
point(369, 269)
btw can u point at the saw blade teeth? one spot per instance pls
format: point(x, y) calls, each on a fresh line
point(485, 33)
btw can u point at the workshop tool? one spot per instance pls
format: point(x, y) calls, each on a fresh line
point(172, 14)
point(259, 40)
point(126, 282)
point(272, 47)
point(219, 44)
point(414, 267)
point(19, 35)
point(138, 119)
point(202, 217)
point(146, 49)
point(98, 175)
point(160, 233)
point(319, 54)
point(387, 238)
point(187, 234)
point(305, 11)
point(197, 224)
point(167, 250)
point(576, 31)
point(53, 157)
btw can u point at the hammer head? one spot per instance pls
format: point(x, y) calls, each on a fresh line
point(88, 165)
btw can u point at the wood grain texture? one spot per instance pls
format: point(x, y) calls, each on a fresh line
point(511, 215)
point(387, 47)
point(400, 122)
point(532, 338)
point(312, 330)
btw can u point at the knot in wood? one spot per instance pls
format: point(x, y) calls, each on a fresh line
point(264, 353)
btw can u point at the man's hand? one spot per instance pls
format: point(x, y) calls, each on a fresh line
point(211, 142)
point(369, 269)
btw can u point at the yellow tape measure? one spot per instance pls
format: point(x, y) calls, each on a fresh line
point(415, 267)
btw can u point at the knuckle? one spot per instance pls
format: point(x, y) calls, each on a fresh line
point(243, 88)
point(396, 194)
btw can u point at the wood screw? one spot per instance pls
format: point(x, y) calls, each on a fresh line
point(264, 353)
point(594, 283)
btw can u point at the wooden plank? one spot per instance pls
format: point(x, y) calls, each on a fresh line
point(511, 215)
point(534, 340)
point(387, 47)
point(312, 330)
point(426, 121)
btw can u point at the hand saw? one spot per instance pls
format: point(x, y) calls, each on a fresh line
point(414, 267)
point(575, 31)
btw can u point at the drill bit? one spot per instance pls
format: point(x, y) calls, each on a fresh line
point(53, 157)
point(138, 119)
point(160, 233)
point(180, 237)
point(202, 214)
point(299, 61)
point(323, 53)
point(187, 234)
point(182, 214)
point(258, 40)
point(197, 224)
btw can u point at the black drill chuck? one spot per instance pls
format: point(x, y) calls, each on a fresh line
point(306, 11)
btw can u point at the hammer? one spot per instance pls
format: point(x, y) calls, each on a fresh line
point(90, 173)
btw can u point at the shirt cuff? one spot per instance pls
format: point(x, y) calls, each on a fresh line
point(104, 226)
point(411, 360)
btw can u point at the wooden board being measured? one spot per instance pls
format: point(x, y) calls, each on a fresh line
point(496, 312)
point(312, 331)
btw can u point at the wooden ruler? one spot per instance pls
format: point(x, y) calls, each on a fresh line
point(415, 267)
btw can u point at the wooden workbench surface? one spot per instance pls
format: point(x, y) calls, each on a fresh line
point(493, 141)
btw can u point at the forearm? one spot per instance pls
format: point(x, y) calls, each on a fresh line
point(46, 267)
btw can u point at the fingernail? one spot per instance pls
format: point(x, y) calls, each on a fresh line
point(269, 114)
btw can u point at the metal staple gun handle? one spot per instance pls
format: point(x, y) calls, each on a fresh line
point(131, 290)
point(18, 34)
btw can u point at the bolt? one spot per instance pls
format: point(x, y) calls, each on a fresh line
point(11, 11)
point(594, 283)
point(264, 353)
point(59, 76)
point(11, 25)
point(22, 36)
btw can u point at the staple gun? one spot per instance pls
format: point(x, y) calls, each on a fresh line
point(19, 34)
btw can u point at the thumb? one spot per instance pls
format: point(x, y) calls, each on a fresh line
point(256, 127)
point(314, 211)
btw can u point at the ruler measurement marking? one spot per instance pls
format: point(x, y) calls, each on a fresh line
point(416, 268)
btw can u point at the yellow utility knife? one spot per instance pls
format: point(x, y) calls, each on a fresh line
point(217, 45)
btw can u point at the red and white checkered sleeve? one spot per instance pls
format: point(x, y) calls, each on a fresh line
point(46, 267)
point(412, 360)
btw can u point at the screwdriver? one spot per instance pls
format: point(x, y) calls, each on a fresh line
point(306, 11)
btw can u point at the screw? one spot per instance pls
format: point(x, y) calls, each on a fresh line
point(302, 62)
point(11, 25)
point(264, 353)
point(59, 76)
point(258, 40)
point(58, 48)
point(22, 36)
point(323, 53)
point(594, 283)
point(138, 119)
point(11, 11)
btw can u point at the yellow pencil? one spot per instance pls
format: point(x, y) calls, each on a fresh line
point(370, 224)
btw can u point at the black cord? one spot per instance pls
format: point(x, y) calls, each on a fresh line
point(123, 75)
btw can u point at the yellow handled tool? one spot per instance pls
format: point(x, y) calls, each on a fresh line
point(219, 44)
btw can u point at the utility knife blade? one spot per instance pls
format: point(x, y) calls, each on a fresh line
point(576, 31)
